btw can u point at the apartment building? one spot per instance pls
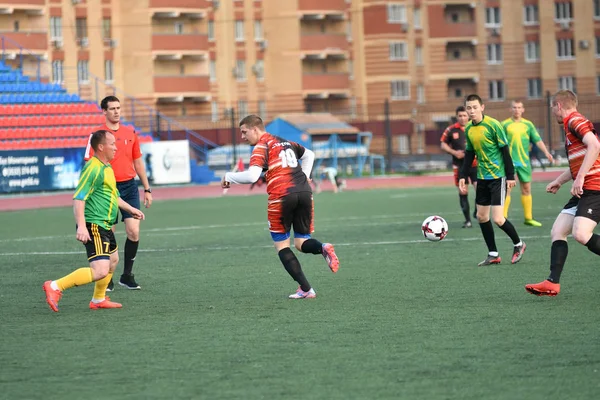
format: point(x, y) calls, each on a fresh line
point(205, 57)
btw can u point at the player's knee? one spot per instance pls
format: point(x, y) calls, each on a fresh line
point(498, 219)
point(133, 233)
point(582, 236)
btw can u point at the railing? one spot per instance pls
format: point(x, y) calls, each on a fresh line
point(93, 89)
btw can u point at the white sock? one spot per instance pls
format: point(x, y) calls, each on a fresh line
point(518, 244)
point(54, 286)
point(493, 253)
point(96, 301)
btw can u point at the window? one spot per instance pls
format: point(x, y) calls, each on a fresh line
point(565, 49)
point(419, 55)
point(181, 69)
point(108, 71)
point(259, 70)
point(562, 11)
point(83, 72)
point(400, 90)
point(494, 53)
point(211, 31)
point(398, 51)
point(179, 28)
point(531, 15)
point(597, 46)
point(597, 9)
point(258, 30)
point(417, 18)
point(496, 90)
point(534, 88)
point(106, 28)
point(212, 71)
point(598, 84)
point(567, 83)
point(403, 144)
point(57, 71)
point(420, 94)
point(55, 28)
point(350, 69)
point(349, 30)
point(240, 70)
point(532, 51)
point(262, 109)
point(492, 17)
point(81, 28)
point(214, 111)
point(239, 31)
point(458, 93)
point(16, 26)
point(242, 108)
point(396, 13)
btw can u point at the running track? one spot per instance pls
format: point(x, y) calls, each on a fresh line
point(62, 199)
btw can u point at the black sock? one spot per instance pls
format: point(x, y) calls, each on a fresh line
point(594, 244)
point(130, 253)
point(558, 256)
point(464, 206)
point(312, 246)
point(292, 266)
point(510, 230)
point(487, 229)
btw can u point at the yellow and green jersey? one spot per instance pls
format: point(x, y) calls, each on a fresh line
point(520, 135)
point(486, 139)
point(98, 188)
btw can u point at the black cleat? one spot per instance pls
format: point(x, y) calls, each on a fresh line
point(490, 260)
point(129, 282)
point(111, 286)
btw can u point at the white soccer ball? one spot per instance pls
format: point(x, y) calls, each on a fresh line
point(434, 228)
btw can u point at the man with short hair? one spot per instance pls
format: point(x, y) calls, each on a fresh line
point(581, 214)
point(127, 163)
point(521, 134)
point(290, 202)
point(96, 200)
point(453, 142)
point(486, 139)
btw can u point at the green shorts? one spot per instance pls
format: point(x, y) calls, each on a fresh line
point(523, 173)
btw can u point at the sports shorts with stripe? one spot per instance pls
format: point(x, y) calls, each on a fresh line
point(491, 192)
point(102, 243)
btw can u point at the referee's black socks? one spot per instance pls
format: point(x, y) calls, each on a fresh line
point(292, 266)
point(131, 249)
point(312, 246)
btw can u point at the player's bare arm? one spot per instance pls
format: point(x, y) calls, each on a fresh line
point(456, 153)
point(556, 184)
point(544, 149)
point(140, 170)
point(591, 155)
point(79, 210)
point(137, 214)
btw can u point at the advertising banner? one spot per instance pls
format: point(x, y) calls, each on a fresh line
point(167, 161)
point(40, 170)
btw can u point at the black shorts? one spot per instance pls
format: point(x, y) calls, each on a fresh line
point(129, 192)
point(472, 176)
point(587, 206)
point(491, 192)
point(102, 243)
point(294, 210)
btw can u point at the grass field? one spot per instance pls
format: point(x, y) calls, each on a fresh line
point(403, 318)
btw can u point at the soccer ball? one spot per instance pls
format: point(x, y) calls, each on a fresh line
point(434, 228)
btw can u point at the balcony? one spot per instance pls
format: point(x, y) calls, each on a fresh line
point(321, 9)
point(29, 42)
point(178, 87)
point(179, 8)
point(174, 47)
point(324, 44)
point(456, 68)
point(322, 85)
point(31, 7)
point(452, 21)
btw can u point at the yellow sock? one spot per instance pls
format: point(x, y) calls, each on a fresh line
point(527, 202)
point(79, 277)
point(100, 287)
point(506, 205)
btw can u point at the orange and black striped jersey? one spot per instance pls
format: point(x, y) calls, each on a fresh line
point(454, 136)
point(576, 127)
point(279, 157)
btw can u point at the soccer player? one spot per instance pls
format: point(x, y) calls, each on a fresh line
point(581, 214)
point(290, 201)
point(95, 207)
point(521, 133)
point(453, 142)
point(128, 163)
point(486, 139)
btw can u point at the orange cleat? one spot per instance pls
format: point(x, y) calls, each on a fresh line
point(106, 303)
point(330, 256)
point(545, 288)
point(52, 296)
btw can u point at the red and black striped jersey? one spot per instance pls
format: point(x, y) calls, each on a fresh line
point(454, 136)
point(280, 158)
point(576, 127)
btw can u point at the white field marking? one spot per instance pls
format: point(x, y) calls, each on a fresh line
point(221, 248)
